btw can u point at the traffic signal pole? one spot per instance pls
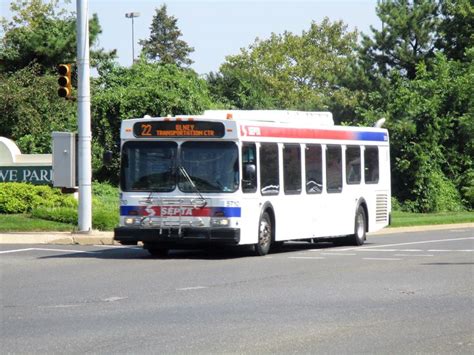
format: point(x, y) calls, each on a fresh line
point(84, 119)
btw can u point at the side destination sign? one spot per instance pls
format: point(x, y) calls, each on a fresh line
point(178, 129)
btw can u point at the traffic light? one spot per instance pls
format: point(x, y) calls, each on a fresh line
point(64, 81)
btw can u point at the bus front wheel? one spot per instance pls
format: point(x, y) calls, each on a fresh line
point(264, 235)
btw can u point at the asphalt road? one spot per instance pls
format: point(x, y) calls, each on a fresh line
point(400, 293)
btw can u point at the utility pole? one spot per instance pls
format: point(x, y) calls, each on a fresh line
point(132, 15)
point(84, 118)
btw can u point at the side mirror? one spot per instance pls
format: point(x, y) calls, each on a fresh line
point(107, 157)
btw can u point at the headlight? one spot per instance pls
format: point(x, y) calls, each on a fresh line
point(220, 222)
point(129, 221)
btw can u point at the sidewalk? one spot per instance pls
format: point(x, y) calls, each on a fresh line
point(106, 238)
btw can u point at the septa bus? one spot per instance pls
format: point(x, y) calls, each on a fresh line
point(254, 178)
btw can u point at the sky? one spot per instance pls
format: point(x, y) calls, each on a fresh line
point(215, 28)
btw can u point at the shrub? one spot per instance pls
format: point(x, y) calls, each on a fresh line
point(105, 209)
point(22, 197)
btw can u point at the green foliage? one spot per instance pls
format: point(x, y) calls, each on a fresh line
point(105, 209)
point(40, 33)
point(288, 71)
point(431, 124)
point(30, 109)
point(23, 197)
point(456, 31)
point(407, 38)
point(143, 89)
point(164, 45)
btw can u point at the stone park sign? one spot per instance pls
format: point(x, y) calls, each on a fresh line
point(16, 167)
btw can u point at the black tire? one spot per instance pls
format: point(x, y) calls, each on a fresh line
point(265, 234)
point(360, 228)
point(156, 250)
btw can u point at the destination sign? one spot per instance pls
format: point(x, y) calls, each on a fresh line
point(178, 129)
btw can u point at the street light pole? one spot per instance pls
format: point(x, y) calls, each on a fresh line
point(132, 15)
point(84, 119)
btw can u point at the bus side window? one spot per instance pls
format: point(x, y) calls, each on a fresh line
point(314, 169)
point(371, 165)
point(269, 169)
point(292, 168)
point(353, 175)
point(249, 168)
point(334, 168)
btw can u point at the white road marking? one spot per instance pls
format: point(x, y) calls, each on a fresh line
point(114, 299)
point(15, 250)
point(191, 288)
point(382, 259)
point(305, 257)
point(336, 254)
point(410, 243)
point(385, 250)
point(415, 255)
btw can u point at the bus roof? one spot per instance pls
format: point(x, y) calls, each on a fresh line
point(276, 116)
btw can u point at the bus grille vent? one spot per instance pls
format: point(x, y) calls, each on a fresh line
point(381, 213)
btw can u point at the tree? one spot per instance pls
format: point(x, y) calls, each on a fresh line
point(408, 36)
point(288, 71)
point(456, 31)
point(431, 125)
point(40, 33)
point(30, 109)
point(164, 45)
point(143, 89)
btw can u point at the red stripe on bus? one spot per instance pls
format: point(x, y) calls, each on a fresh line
point(300, 133)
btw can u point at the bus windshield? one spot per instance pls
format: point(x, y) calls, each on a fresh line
point(156, 166)
point(212, 166)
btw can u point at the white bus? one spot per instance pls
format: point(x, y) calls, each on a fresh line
point(250, 178)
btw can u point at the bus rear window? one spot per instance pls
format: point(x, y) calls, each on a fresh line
point(371, 165)
point(353, 165)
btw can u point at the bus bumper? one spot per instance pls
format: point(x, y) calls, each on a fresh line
point(189, 236)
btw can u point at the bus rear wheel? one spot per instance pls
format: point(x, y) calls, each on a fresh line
point(359, 236)
point(264, 235)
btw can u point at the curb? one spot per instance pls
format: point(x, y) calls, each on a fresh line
point(106, 238)
point(92, 238)
point(424, 228)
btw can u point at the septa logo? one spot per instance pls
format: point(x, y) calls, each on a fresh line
point(176, 211)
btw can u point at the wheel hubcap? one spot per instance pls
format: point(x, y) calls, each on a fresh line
point(265, 234)
point(360, 226)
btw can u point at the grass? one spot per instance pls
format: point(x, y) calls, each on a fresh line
point(407, 219)
point(25, 223)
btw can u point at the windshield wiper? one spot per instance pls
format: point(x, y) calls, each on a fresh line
point(183, 171)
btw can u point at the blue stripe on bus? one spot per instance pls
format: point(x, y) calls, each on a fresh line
point(372, 136)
